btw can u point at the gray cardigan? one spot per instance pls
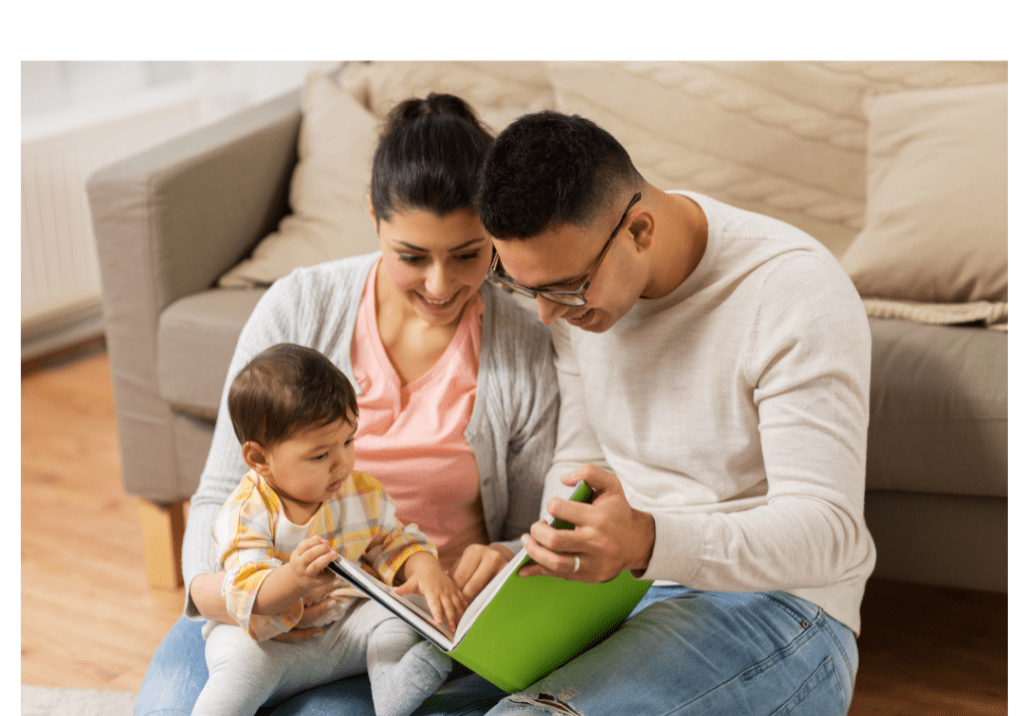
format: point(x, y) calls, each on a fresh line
point(511, 430)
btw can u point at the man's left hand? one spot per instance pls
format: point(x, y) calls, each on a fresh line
point(610, 536)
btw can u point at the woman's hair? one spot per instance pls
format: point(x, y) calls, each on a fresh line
point(286, 389)
point(548, 169)
point(428, 157)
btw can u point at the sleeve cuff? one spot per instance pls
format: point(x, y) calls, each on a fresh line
point(191, 611)
point(390, 569)
point(678, 547)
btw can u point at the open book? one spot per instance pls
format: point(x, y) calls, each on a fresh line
point(518, 629)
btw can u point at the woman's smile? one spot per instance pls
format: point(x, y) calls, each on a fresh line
point(436, 303)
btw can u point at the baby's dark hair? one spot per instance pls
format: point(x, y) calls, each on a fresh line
point(428, 157)
point(286, 389)
point(549, 169)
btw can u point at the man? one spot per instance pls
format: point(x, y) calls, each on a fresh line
point(714, 367)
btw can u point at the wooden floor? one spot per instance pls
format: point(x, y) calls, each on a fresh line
point(89, 620)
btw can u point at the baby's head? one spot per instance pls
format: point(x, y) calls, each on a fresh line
point(295, 414)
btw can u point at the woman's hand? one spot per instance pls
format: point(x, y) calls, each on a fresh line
point(316, 603)
point(424, 575)
point(478, 565)
point(610, 536)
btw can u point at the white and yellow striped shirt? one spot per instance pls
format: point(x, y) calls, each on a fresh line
point(253, 536)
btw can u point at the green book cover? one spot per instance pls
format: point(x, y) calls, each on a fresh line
point(519, 629)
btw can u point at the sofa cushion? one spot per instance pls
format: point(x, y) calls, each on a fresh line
point(938, 409)
point(935, 235)
point(330, 217)
point(195, 341)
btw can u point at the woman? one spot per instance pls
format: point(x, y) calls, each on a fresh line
point(456, 390)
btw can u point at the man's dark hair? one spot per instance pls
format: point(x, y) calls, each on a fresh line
point(428, 157)
point(548, 169)
point(285, 389)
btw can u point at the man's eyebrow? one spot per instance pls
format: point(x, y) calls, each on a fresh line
point(460, 247)
point(563, 283)
point(555, 285)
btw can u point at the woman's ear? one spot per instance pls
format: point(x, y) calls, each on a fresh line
point(373, 214)
point(256, 457)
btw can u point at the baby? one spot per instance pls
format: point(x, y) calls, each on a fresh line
point(299, 507)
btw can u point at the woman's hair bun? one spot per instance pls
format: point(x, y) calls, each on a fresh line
point(428, 157)
point(408, 111)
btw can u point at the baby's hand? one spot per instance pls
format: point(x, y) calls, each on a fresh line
point(424, 575)
point(308, 563)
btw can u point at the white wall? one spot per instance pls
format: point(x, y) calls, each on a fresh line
point(79, 116)
point(50, 90)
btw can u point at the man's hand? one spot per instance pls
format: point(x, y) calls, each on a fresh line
point(478, 565)
point(610, 536)
point(308, 563)
point(424, 575)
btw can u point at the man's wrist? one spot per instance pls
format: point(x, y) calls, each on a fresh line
point(647, 534)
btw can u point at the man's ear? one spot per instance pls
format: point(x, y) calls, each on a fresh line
point(641, 228)
point(255, 457)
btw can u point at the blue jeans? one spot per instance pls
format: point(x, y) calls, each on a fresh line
point(681, 652)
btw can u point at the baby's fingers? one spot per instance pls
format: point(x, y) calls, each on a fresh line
point(311, 545)
point(405, 588)
point(320, 563)
point(437, 609)
point(460, 603)
point(453, 605)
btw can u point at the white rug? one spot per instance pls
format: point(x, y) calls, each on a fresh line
point(37, 701)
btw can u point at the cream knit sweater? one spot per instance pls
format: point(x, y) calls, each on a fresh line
point(735, 410)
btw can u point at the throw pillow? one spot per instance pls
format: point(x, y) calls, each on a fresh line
point(934, 243)
point(330, 217)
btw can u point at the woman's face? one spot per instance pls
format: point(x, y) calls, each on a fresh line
point(435, 264)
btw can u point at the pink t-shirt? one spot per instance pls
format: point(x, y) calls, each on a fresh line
point(420, 427)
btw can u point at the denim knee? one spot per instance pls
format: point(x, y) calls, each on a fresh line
point(706, 653)
point(176, 673)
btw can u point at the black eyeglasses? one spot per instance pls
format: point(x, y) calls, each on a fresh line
point(576, 297)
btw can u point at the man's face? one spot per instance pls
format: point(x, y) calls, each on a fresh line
point(563, 257)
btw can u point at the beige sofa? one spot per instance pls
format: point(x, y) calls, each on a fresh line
point(898, 168)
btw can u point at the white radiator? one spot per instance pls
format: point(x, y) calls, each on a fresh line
point(60, 286)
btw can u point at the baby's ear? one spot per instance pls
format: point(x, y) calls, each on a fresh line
point(255, 457)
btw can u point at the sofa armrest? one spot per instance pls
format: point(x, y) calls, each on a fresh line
point(168, 222)
point(193, 207)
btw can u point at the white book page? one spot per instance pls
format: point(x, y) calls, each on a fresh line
point(413, 608)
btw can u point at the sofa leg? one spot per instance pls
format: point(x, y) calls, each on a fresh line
point(163, 527)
